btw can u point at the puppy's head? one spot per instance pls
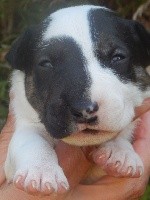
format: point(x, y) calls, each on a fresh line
point(84, 69)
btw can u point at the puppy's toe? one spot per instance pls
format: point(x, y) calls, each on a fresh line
point(101, 155)
point(19, 179)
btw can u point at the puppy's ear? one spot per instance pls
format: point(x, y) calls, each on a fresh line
point(144, 36)
point(20, 54)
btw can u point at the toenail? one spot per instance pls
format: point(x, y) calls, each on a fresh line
point(34, 185)
point(101, 156)
point(140, 170)
point(48, 185)
point(18, 179)
point(129, 170)
point(64, 185)
point(118, 163)
point(133, 173)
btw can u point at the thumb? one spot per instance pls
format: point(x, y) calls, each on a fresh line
point(142, 140)
point(5, 137)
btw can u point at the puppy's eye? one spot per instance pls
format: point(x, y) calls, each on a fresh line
point(117, 58)
point(45, 64)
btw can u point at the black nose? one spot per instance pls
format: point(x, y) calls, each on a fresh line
point(85, 114)
point(92, 108)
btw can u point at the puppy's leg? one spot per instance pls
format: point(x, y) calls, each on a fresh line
point(32, 163)
point(118, 158)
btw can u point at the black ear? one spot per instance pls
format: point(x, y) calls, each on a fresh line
point(20, 54)
point(144, 36)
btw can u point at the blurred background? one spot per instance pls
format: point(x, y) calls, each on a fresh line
point(16, 15)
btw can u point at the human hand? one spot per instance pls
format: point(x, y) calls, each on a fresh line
point(76, 166)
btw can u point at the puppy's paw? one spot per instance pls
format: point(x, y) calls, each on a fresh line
point(41, 179)
point(119, 159)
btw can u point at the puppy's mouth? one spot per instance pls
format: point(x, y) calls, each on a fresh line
point(89, 136)
point(91, 131)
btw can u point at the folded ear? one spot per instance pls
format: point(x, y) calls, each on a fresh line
point(144, 36)
point(20, 54)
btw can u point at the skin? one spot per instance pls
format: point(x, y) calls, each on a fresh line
point(76, 166)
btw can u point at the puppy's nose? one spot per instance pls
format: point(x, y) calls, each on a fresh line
point(86, 114)
point(92, 108)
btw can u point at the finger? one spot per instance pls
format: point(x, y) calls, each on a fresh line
point(5, 137)
point(143, 129)
point(142, 140)
point(2, 175)
point(143, 108)
point(9, 125)
point(111, 188)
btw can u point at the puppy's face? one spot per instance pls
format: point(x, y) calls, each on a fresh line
point(84, 69)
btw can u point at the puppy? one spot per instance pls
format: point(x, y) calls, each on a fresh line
point(81, 70)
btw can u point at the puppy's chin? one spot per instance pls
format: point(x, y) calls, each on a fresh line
point(89, 137)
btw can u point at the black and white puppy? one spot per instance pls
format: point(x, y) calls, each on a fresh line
point(83, 67)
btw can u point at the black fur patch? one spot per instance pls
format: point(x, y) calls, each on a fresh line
point(54, 90)
point(116, 37)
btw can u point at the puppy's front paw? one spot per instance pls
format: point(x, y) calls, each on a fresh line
point(44, 179)
point(119, 159)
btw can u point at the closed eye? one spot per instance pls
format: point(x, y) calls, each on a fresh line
point(117, 57)
point(45, 64)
